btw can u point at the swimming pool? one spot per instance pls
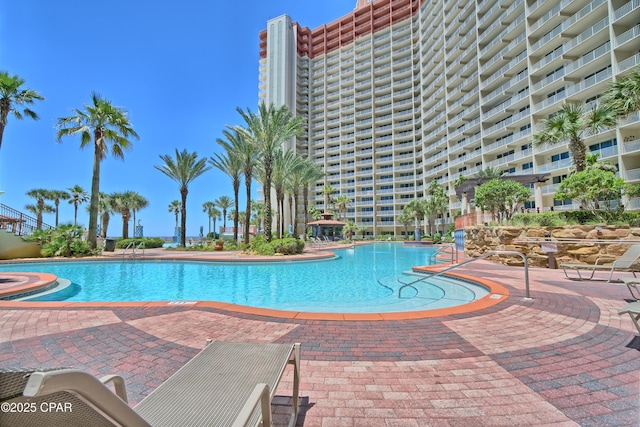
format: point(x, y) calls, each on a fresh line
point(364, 279)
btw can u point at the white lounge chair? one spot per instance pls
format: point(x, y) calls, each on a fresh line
point(633, 309)
point(623, 263)
point(221, 386)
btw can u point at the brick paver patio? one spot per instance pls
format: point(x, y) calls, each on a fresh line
point(562, 358)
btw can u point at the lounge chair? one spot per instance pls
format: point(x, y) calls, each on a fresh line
point(633, 308)
point(221, 386)
point(623, 263)
point(633, 283)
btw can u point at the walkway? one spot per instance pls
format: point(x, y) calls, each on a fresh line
point(563, 358)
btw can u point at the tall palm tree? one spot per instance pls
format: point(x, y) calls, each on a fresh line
point(175, 207)
point(14, 98)
point(40, 207)
point(55, 196)
point(106, 208)
point(183, 169)
point(138, 201)
point(489, 173)
point(224, 203)
point(77, 196)
point(284, 163)
point(210, 209)
point(311, 174)
point(124, 203)
point(327, 191)
point(572, 124)
point(268, 130)
point(342, 204)
point(247, 153)
point(624, 94)
point(105, 128)
point(230, 164)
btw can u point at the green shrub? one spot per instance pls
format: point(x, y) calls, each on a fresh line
point(154, 242)
point(437, 237)
point(66, 241)
point(580, 216)
point(288, 246)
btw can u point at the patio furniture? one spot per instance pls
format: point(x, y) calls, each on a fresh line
point(623, 263)
point(221, 386)
point(633, 308)
point(633, 283)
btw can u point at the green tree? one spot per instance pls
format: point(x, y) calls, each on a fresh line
point(284, 163)
point(311, 173)
point(349, 229)
point(175, 207)
point(185, 168)
point(623, 95)
point(55, 196)
point(15, 98)
point(212, 213)
point(106, 209)
point(105, 128)
point(342, 203)
point(229, 163)
point(40, 207)
point(436, 204)
point(501, 197)
point(590, 187)
point(247, 153)
point(138, 202)
point(124, 203)
point(488, 173)
point(327, 192)
point(572, 124)
point(77, 197)
point(268, 130)
point(224, 203)
point(406, 218)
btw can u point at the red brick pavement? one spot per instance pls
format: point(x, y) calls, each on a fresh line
point(562, 358)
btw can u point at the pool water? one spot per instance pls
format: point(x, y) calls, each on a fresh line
point(360, 280)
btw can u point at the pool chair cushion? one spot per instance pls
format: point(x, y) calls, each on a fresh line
point(221, 386)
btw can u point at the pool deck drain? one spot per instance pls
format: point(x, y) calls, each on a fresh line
point(564, 357)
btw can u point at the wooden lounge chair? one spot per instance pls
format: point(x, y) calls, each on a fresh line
point(633, 308)
point(221, 386)
point(623, 263)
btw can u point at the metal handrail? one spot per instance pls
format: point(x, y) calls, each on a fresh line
point(443, 250)
point(134, 249)
point(485, 255)
point(18, 223)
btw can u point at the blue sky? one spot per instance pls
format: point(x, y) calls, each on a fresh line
point(179, 68)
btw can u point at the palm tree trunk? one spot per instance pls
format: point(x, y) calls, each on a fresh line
point(3, 120)
point(267, 199)
point(236, 191)
point(305, 202)
point(95, 198)
point(247, 217)
point(183, 219)
point(57, 202)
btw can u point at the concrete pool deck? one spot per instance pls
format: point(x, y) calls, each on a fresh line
point(564, 357)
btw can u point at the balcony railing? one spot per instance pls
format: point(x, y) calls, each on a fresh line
point(18, 223)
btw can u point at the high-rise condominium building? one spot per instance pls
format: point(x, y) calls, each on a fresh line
point(400, 93)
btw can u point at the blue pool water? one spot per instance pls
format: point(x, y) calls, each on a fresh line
point(361, 280)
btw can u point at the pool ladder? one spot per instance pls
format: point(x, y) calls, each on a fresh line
point(444, 250)
point(134, 250)
point(485, 255)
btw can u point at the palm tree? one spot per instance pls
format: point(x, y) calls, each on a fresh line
point(268, 130)
point(124, 203)
point(342, 204)
point(624, 95)
point(327, 191)
point(13, 98)
point(56, 196)
point(571, 125)
point(283, 164)
point(138, 202)
point(106, 128)
point(311, 174)
point(106, 208)
point(185, 168)
point(40, 206)
point(210, 209)
point(230, 164)
point(77, 197)
point(247, 154)
point(175, 207)
point(224, 203)
point(488, 173)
